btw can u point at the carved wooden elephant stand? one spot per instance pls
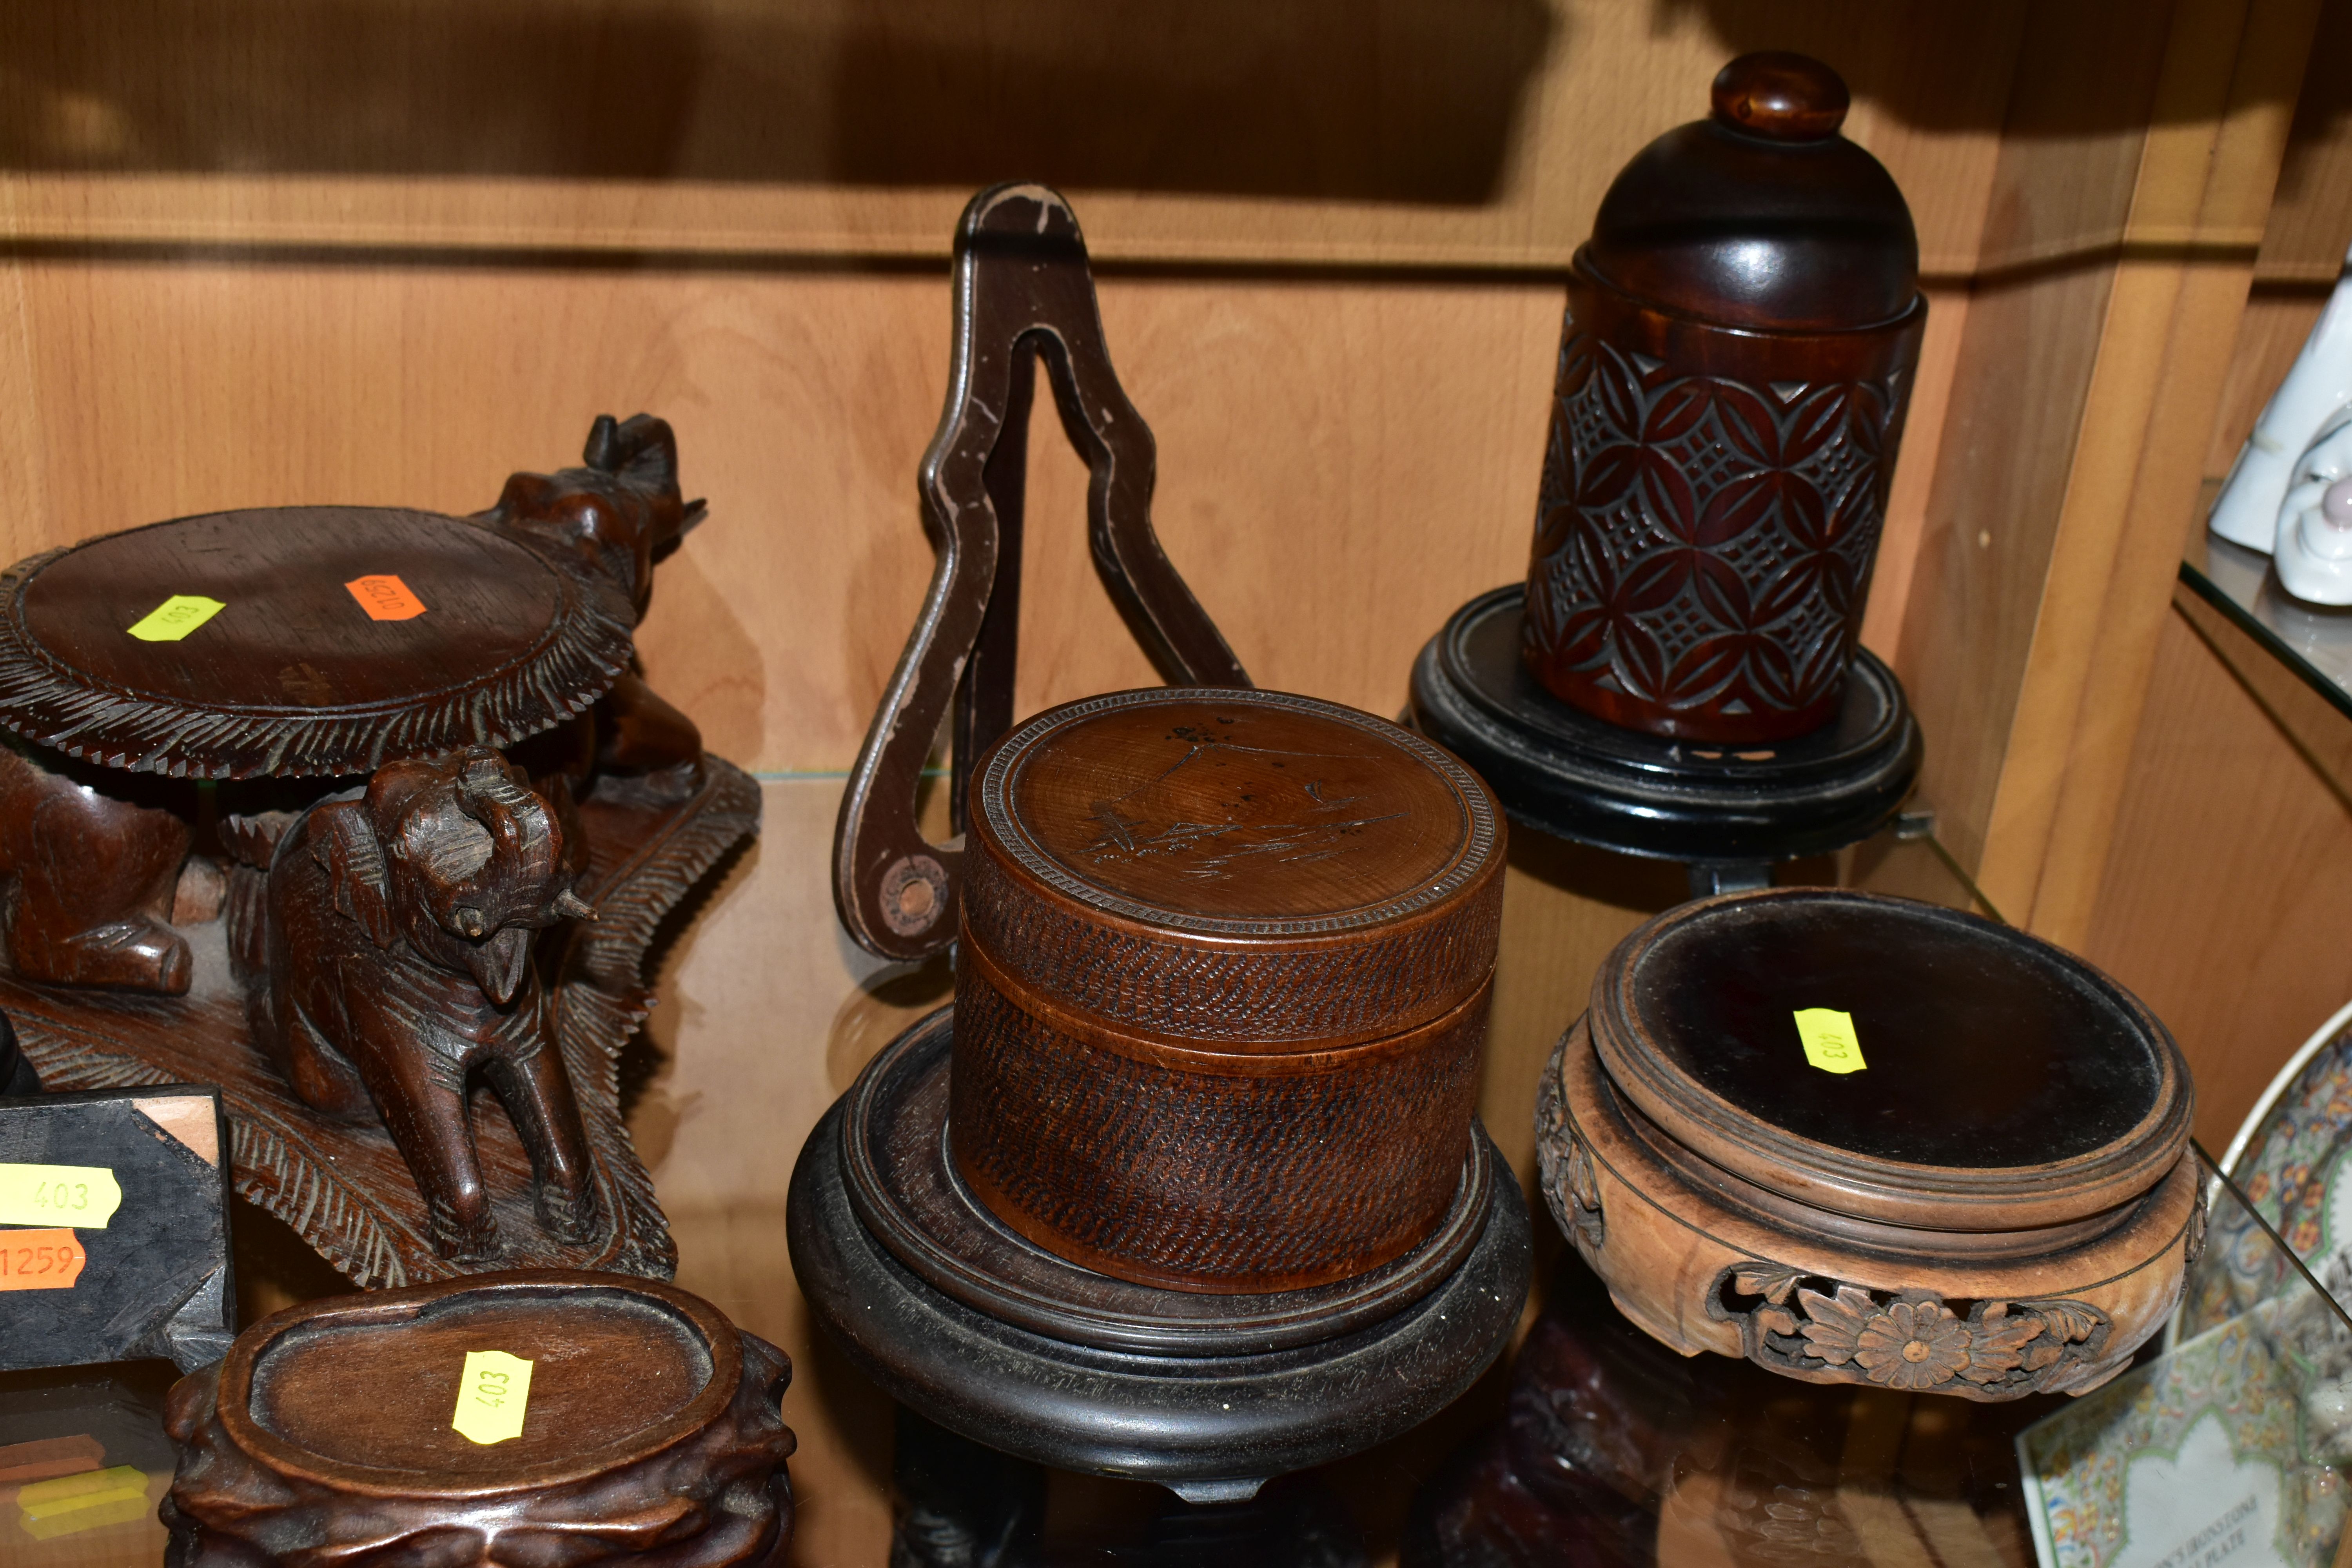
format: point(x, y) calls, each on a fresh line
point(399, 930)
point(450, 816)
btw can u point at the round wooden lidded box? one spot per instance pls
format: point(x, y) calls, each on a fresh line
point(1858, 1138)
point(1221, 986)
point(649, 1430)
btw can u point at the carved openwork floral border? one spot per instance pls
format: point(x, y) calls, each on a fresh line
point(1826, 1330)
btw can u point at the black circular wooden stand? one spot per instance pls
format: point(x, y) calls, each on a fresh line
point(1272, 1384)
point(1728, 812)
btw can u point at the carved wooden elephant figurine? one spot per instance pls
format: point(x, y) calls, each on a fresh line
point(88, 873)
point(400, 923)
point(619, 515)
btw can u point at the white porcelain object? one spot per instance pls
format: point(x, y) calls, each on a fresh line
point(2318, 387)
point(2315, 544)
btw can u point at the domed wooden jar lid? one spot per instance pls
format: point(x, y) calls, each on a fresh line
point(1734, 365)
point(1860, 1139)
point(1221, 986)
point(645, 1427)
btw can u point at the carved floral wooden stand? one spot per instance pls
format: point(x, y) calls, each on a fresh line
point(344, 642)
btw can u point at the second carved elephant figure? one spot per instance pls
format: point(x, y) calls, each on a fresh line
point(399, 928)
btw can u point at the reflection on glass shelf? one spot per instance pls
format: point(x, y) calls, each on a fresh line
point(1616, 1450)
point(1903, 859)
point(83, 1462)
point(2314, 640)
point(2236, 1427)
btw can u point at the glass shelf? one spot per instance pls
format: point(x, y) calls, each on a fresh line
point(1611, 1451)
point(2315, 641)
point(1615, 1450)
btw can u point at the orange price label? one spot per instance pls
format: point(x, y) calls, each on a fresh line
point(385, 597)
point(40, 1259)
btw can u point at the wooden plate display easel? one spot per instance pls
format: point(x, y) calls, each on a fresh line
point(425, 754)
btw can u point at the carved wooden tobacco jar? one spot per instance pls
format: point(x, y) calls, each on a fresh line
point(612, 1420)
point(1734, 370)
point(1858, 1138)
point(1221, 986)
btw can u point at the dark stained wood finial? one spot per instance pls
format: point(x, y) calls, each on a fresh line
point(1786, 97)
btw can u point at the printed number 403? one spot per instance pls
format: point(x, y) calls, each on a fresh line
point(61, 1195)
point(490, 1389)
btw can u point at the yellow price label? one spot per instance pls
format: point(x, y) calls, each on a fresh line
point(81, 1196)
point(491, 1396)
point(90, 1489)
point(70, 1505)
point(176, 618)
point(1830, 1043)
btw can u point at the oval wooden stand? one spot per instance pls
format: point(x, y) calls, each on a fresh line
point(651, 1433)
point(1558, 770)
point(1210, 1426)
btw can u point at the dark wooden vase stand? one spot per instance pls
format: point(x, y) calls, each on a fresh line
point(1728, 812)
point(986, 1335)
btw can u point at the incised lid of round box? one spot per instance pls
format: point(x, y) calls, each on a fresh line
point(2007, 1085)
point(1248, 866)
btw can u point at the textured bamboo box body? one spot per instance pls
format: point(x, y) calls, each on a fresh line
point(1221, 986)
point(2000, 1201)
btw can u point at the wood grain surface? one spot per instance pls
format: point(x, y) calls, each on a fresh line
point(2233, 863)
point(214, 299)
point(1287, 818)
point(1415, 132)
point(604, 1369)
